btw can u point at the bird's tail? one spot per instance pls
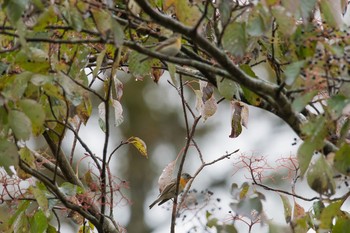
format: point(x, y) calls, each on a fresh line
point(155, 202)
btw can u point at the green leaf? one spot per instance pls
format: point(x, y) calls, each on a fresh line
point(16, 86)
point(74, 93)
point(8, 155)
point(330, 12)
point(117, 32)
point(246, 206)
point(41, 199)
point(305, 153)
point(48, 17)
point(225, 9)
point(256, 24)
point(39, 222)
point(274, 228)
point(287, 208)
point(137, 67)
point(51, 229)
point(75, 19)
point(342, 225)
point(284, 19)
point(20, 124)
point(328, 215)
point(26, 156)
point(342, 159)
point(172, 73)
point(40, 79)
point(70, 189)
point(316, 130)
point(317, 207)
point(99, 61)
point(187, 13)
point(102, 20)
point(307, 7)
point(21, 224)
point(36, 114)
point(301, 101)
point(320, 177)
point(336, 104)
point(21, 208)
point(15, 9)
point(227, 88)
point(292, 71)
point(235, 39)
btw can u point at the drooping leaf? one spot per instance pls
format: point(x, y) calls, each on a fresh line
point(246, 206)
point(256, 24)
point(16, 87)
point(21, 224)
point(227, 88)
point(320, 177)
point(331, 12)
point(99, 61)
point(20, 124)
point(36, 114)
point(306, 8)
point(9, 155)
point(15, 9)
point(305, 153)
point(118, 87)
point(21, 208)
point(138, 68)
point(75, 19)
point(209, 108)
point(118, 113)
point(41, 199)
point(91, 182)
point(240, 114)
point(285, 21)
point(27, 156)
point(117, 32)
point(235, 39)
point(39, 222)
point(102, 116)
point(102, 19)
point(328, 215)
point(292, 71)
point(139, 144)
point(172, 73)
point(186, 12)
point(298, 212)
point(70, 189)
point(301, 101)
point(342, 159)
point(336, 105)
point(287, 208)
point(342, 225)
point(225, 9)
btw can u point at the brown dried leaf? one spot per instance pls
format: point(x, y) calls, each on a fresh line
point(298, 212)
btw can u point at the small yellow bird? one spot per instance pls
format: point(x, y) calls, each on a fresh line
point(169, 190)
point(169, 47)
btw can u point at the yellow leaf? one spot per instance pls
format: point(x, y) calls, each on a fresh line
point(168, 3)
point(139, 144)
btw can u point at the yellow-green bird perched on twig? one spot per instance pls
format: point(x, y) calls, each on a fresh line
point(169, 47)
point(169, 190)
